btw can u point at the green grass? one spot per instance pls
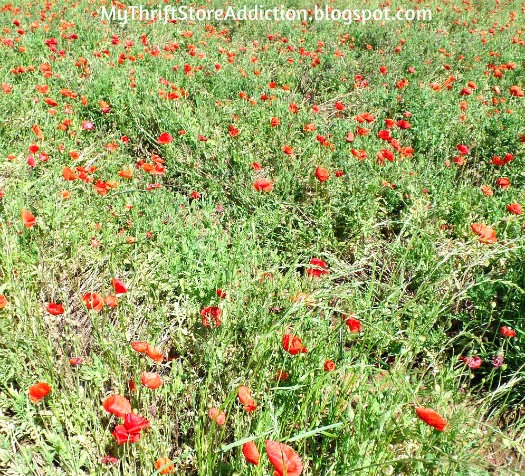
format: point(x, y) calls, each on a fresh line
point(396, 237)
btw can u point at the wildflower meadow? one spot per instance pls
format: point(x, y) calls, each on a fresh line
point(257, 239)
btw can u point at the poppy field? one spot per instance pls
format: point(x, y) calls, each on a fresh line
point(285, 248)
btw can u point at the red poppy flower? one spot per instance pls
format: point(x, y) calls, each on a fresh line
point(353, 324)
point(503, 182)
point(282, 375)
point(287, 149)
point(55, 309)
point(320, 267)
point(165, 138)
point(310, 127)
point(233, 131)
point(75, 361)
point(135, 423)
point(245, 397)
point(38, 391)
point(402, 124)
point(329, 365)
point(385, 135)
point(432, 418)
point(93, 301)
point(293, 345)
point(3, 301)
point(322, 174)
point(263, 185)
point(139, 346)
point(111, 301)
point(473, 362)
point(515, 208)
point(151, 380)
point(154, 354)
point(119, 286)
point(164, 466)
point(68, 174)
point(507, 331)
point(122, 435)
point(118, 405)
point(28, 218)
point(486, 233)
point(486, 190)
point(220, 293)
point(251, 453)
point(126, 173)
point(285, 460)
point(212, 312)
point(108, 459)
point(463, 149)
point(217, 416)
point(516, 91)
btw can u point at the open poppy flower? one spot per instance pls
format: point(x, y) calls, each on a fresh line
point(75, 361)
point(463, 149)
point(320, 267)
point(515, 208)
point(472, 362)
point(68, 174)
point(108, 459)
point(117, 405)
point(139, 346)
point(3, 301)
point(486, 233)
point(487, 191)
point(55, 309)
point(151, 380)
point(285, 460)
point(154, 354)
point(38, 391)
point(122, 435)
point(129, 431)
point(293, 345)
point(135, 423)
point(322, 174)
point(329, 365)
point(251, 453)
point(119, 287)
point(503, 182)
point(111, 301)
point(164, 466)
point(263, 185)
point(507, 331)
point(93, 301)
point(432, 418)
point(211, 312)
point(28, 218)
point(353, 324)
point(165, 138)
point(245, 397)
